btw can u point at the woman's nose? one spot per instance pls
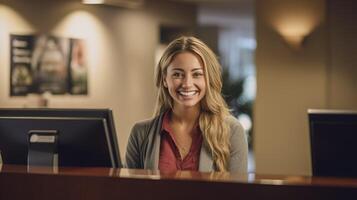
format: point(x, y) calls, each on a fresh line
point(187, 81)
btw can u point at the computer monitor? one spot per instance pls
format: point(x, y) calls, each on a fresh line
point(333, 139)
point(78, 115)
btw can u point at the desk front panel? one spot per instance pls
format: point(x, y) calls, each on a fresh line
point(16, 182)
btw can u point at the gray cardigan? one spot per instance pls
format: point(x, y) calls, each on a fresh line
point(144, 147)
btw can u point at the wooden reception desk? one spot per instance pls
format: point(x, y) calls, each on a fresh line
point(19, 182)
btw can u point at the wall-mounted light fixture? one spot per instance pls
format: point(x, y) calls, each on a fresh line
point(92, 1)
point(295, 20)
point(294, 32)
point(118, 3)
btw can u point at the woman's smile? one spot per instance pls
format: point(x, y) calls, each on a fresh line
point(188, 93)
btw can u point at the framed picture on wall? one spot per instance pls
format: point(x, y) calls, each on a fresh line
point(78, 73)
point(21, 76)
point(47, 64)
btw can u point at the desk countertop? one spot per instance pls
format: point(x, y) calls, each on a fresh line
point(109, 183)
point(184, 175)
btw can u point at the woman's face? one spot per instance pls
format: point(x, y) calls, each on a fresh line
point(185, 80)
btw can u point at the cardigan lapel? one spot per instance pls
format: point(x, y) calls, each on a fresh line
point(156, 148)
point(152, 161)
point(206, 162)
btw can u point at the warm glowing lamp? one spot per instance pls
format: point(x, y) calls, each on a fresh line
point(294, 41)
point(118, 3)
point(294, 32)
point(93, 1)
point(294, 20)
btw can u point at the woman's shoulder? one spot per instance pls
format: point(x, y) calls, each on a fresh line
point(235, 127)
point(233, 122)
point(146, 123)
point(143, 127)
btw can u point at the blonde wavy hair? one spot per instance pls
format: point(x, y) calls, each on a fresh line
point(214, 110)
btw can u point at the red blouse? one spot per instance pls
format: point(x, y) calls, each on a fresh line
point(170, 158)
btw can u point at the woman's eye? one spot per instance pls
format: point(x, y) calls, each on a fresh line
point(177, 75)
point(198, 74)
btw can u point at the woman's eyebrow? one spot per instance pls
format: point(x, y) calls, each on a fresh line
point(177, 69)
point(197, 69)
point(181, 70)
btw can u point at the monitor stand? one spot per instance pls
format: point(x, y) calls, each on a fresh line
point(43, 148)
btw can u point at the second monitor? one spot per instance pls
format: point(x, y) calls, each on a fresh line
point(333, 139)
point(79, 130)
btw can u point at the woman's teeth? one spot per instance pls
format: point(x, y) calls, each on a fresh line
point(191, 93)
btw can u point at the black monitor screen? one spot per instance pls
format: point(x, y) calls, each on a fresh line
point(81, 113)
point(333, 138)
point(69, 122)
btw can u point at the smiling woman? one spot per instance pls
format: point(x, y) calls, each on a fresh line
point(192, 128)
point(185, 80)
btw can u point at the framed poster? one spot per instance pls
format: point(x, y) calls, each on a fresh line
point(47, 64)
point(78, 68)
point(21, 76)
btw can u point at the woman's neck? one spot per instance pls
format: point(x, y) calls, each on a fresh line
point(185, 116)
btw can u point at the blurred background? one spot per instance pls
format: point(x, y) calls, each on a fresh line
point(279, 58)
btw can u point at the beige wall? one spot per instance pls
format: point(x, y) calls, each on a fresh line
point(342, 55)
point(320, 75)
point(288, 83)
point(121, 44)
